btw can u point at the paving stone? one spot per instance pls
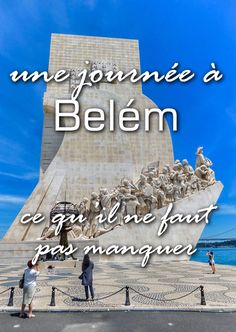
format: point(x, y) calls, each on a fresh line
point(151, 288)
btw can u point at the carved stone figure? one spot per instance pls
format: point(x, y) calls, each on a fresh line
point(187, 169)
point(107, 201)
point(159, 193)
point(127, 199)
point(165, 176)
point(82, 207)
point(94, 211)
point(201, 159)
point(145, 195)
point(204, 173)
point(48, 232)
point(84, 211)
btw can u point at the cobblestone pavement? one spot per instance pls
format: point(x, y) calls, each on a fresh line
point(151, 286)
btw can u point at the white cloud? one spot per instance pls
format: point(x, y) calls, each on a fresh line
point(11, 152)
point(12, 199)
point(227, 209)
point(26, 176)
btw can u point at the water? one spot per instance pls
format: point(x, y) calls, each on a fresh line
point(226, 256)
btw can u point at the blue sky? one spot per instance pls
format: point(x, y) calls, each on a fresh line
point(193, 33)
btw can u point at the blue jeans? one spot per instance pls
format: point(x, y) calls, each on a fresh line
point(87, 289)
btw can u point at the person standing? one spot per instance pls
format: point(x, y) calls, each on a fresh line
point(87, 276)
point(211, 258)
point(30, 275)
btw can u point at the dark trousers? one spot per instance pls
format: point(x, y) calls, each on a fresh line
point(87, 289)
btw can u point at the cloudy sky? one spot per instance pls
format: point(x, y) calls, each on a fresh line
point(193, 33)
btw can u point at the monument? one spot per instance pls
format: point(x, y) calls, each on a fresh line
point(94, 171)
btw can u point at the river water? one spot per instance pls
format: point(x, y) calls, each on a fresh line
point(226, 256)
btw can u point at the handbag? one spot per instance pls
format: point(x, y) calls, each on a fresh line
point(81, 276)
point(21, 282)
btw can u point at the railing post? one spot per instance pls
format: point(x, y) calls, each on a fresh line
point(203, 301)
point(11, 297)
point(127, 300)
point(53, 302)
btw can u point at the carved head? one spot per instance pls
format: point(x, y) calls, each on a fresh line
point(199, 150)
point(164, 170)
point(167, 166)
point(175, 167)
point(151, 174)
point(142, 178)
point(126, 183)
point(85, 200)
point(179, 166)
point(102, 191)
point(94, 195)
point(203, 168)
point(157, 182)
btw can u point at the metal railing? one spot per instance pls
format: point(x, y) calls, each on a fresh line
point(127, 295)
point(11, 295)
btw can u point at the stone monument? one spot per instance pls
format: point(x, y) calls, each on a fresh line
point(82, 167)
